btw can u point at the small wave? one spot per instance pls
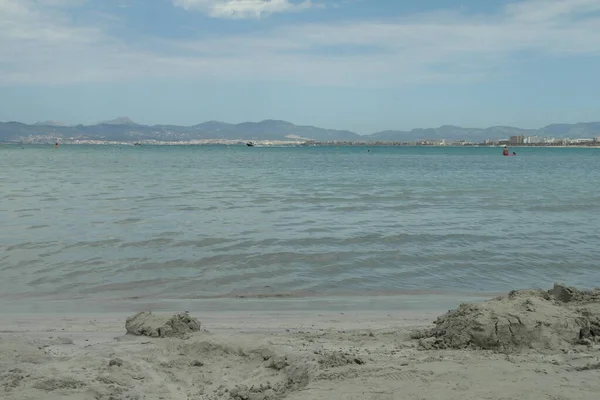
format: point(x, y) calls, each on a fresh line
point(38, 226)
point(30, 246)
point(188, 208)
point(128, 221)
point(159, 242)
point(93, 243)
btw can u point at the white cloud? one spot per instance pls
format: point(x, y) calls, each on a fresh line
point(243, 8)
point(430, 47)
point(549, 10)
point(41, 44)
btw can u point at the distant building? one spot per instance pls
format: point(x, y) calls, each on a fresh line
point(534, 140)
point(514, 140)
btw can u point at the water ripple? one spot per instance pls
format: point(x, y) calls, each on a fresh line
point(210, 222)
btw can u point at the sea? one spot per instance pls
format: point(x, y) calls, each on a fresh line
point(110, 226)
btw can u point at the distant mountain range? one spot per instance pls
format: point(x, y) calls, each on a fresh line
point(124, 129)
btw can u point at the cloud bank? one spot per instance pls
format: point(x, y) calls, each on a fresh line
point(243, 8)
point(40, 43)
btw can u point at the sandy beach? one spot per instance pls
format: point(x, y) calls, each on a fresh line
point(550, 351)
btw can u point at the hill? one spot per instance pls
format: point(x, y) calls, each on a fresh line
point(125, 130)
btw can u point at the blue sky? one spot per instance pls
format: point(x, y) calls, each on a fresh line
point(362, 65)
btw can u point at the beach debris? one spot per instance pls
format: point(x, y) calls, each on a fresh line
point(297, 377)
point(568, 294)
point(115, 362)
point(588, 367)
point(557, 319)
point(338, 359)
point(52, 384)
point(278, 363)
point(155, 325)
point(55, 341)
point(258, 392)
point(12, 378)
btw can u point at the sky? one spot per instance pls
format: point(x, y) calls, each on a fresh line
point(361, 65)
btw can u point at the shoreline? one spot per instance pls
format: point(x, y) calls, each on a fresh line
point(276, 144)
point(218, 322)
point(426, 302)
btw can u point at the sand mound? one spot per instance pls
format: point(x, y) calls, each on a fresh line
point(528, 319)
point(208, 368)
point(153, 325)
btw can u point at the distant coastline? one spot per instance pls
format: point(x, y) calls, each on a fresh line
point(267, 143)
point(276, 132)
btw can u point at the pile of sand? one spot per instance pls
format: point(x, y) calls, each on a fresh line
point(556, 319)
point(154, 325)
point(166, 366)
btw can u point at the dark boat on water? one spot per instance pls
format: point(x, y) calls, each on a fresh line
point(250, 144)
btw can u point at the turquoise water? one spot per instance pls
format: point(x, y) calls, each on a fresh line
point(202, 222)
